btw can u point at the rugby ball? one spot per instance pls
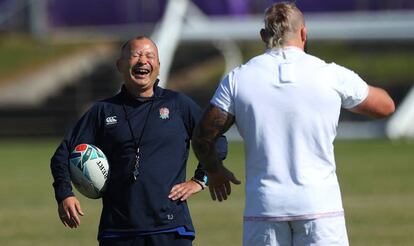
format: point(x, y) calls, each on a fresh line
point(89, 170)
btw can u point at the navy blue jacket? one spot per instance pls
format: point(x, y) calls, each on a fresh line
point(141, 205)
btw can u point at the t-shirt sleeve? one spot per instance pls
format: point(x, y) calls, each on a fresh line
point(351, 88)
point(224, 95)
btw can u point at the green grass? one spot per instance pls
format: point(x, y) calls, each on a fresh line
point(21, 54)
point(379, 63)
point(377, 186)
point(375, 176)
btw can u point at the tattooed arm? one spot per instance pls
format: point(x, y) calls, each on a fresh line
point(213, 123)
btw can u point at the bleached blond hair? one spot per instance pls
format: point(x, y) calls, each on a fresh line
point(282, 20)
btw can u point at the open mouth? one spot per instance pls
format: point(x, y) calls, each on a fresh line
point(140, 72)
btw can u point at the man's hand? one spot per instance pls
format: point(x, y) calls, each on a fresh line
point(68, 211)
point(219, 183)
point(184, 190)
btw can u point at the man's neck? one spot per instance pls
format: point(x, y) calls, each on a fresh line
point(147, 93)
point(293, 44)
point(138, 92)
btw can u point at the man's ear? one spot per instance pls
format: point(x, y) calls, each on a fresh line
point(303, 34)
point(118, 65)
point(264, 35)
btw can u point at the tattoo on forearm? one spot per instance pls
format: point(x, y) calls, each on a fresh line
point(213, 124)
point(220, 119)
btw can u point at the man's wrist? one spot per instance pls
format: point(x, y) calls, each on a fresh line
point(214, 166)
point(201, 175)
point(199, 182)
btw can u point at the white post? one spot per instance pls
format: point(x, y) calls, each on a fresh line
point(401, 122)
point(167, 35)
point(228, 48)
point(39, 19)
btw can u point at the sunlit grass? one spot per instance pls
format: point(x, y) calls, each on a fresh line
point(375, 177)
point(20, 54)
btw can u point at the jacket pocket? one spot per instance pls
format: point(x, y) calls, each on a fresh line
point(169, 213)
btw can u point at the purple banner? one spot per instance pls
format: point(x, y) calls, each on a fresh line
point(113, 12)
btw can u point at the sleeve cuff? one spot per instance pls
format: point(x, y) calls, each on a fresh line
point(62, 191)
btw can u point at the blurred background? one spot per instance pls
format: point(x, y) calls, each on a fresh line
point(57, 57)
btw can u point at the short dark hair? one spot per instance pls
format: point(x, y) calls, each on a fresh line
point(126, 43)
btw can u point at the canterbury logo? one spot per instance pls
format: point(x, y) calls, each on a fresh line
point(111, 120)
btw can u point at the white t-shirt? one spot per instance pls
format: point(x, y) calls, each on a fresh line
point(286, 105)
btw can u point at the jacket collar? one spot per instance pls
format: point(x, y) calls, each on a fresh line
point(158, 91)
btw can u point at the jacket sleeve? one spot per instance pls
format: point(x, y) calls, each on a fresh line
point(191, 114)
point(83, 132)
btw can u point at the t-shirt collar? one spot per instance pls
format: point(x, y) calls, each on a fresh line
point(286, 48)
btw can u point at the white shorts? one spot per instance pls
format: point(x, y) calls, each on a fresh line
point(330, 231)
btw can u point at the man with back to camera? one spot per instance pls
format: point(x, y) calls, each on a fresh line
point(147, 143)
point(286, 106)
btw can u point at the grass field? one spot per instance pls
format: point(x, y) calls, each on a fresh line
point(375, 176)
point(20, 55)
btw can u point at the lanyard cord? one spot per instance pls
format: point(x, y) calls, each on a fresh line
point(137, 144)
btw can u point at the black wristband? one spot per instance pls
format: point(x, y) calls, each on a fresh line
point(201, 175)
point(199, 182)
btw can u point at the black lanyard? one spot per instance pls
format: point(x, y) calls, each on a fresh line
point(137, 143)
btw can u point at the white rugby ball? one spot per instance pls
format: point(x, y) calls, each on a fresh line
point(89, 170)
